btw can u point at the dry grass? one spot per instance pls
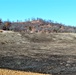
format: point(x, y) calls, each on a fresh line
point(13, 72)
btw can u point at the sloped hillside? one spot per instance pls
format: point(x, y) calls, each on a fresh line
point(37, 26)
point(52, 53)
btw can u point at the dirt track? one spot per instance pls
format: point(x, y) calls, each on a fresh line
point(50, 53)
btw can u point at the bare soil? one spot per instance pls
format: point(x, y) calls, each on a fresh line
point(13, 72)
point(53, 53)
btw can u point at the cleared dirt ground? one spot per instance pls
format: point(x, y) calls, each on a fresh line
point(53, 53)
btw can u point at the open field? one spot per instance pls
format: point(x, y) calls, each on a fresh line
point(53, 53)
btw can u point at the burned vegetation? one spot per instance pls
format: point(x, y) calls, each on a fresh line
point(37, 26)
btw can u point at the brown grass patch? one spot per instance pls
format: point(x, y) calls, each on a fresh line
point(13, 72)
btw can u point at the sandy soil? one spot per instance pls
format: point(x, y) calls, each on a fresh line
point(13, 72)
